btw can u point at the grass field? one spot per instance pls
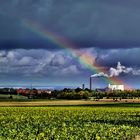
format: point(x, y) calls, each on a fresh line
point(97, 122)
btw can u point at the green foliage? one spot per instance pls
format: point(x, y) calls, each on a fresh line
point(68, 93)
point(73, 123)
point(79, 93)
point(15, 97)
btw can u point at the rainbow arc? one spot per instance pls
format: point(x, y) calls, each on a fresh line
point(85, 58)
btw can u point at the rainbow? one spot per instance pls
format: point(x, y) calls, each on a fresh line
point(86, 59)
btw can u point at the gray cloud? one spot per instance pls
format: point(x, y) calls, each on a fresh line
point(28, 63)
point(44, 62)
point(129, 57)
point(58, 60)
point(20, 65)
point(70, 70)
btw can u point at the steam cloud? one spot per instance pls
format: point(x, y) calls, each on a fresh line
point(120, 69)
point(114, 72)
point(101, 74)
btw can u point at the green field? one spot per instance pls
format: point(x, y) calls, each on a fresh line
point(5, 97)
point(73, 123)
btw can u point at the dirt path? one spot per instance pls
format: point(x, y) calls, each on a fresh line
point(66, 102)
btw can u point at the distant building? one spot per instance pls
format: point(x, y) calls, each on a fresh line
point(116, 87)
point(33, 91)
point(100, 89)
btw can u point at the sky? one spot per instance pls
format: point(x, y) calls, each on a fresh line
point(36, 36)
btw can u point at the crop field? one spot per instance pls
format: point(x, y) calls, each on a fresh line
point(73, 123)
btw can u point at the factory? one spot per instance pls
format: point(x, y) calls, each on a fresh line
point(111, 87)
point(116, 87)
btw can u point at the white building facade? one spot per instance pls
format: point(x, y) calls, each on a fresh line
point(116, 87)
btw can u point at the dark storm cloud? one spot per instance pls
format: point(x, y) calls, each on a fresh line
point(28, 44)
point(128, 57)
point(105, 24)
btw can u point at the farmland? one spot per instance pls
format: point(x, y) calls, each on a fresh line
point(69, 122)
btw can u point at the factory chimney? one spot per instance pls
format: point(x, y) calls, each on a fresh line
point(90, 83)
point(83, 86)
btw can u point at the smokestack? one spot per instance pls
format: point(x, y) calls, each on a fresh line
point(83, 86)
point(90, 83)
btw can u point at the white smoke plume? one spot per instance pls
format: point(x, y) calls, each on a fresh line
point(114, 72)
point(101, 74)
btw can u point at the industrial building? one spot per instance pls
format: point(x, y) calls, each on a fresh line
point(110, 86)
point(116, 87)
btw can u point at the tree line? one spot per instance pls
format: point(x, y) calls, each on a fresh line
point(87, 94)
point(77, 93)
